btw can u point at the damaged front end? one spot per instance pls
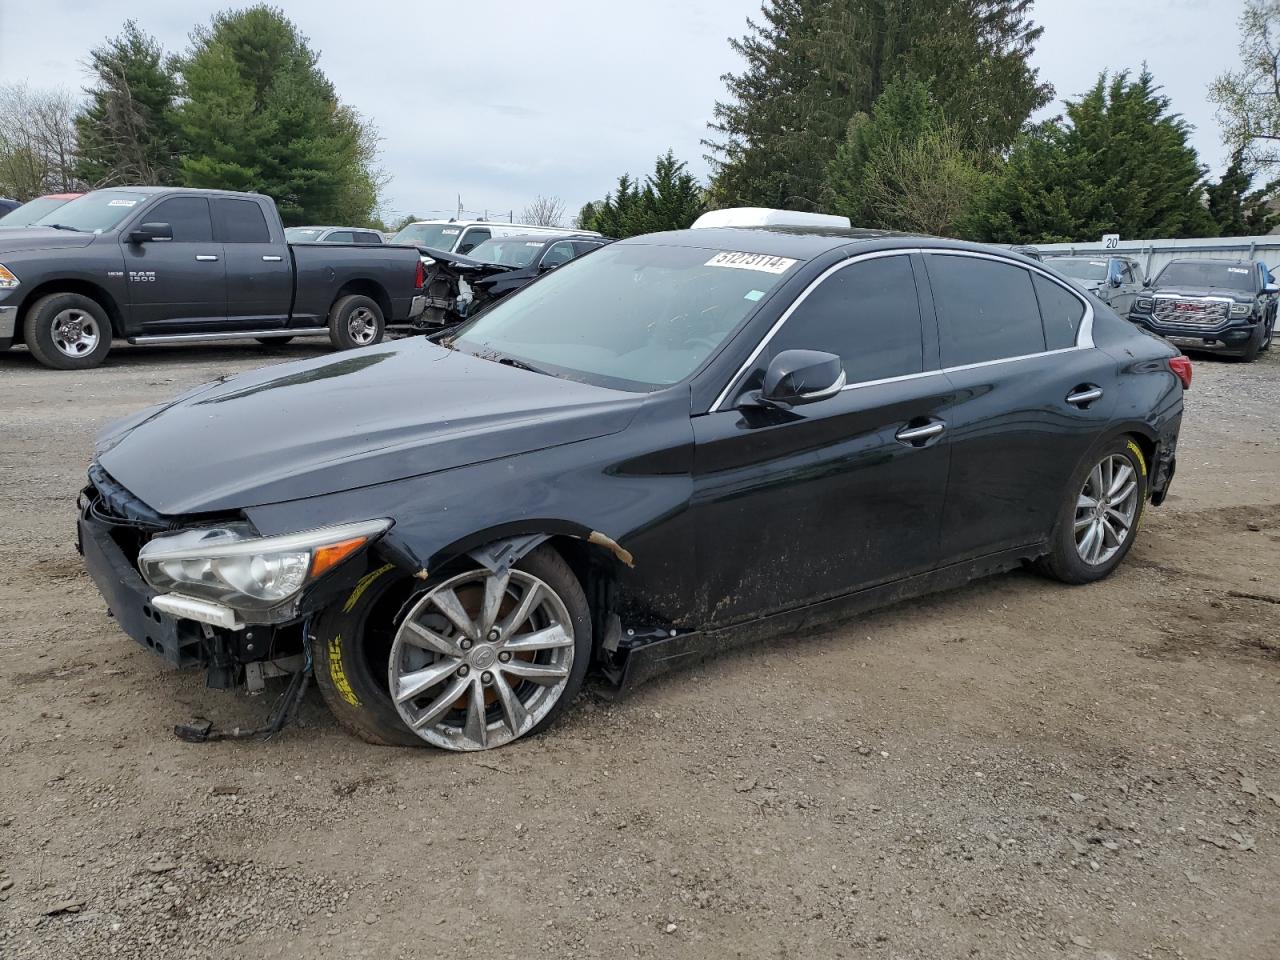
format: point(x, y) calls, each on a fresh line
point(454, 288)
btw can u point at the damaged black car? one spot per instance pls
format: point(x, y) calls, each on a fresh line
point(681, 442)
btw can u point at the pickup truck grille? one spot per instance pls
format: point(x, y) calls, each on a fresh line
point(1193, 313)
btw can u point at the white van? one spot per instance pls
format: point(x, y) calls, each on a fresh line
point(463, 236)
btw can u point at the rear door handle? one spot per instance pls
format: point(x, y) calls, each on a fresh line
point(1084, 395)
point(911, 435)
point(206, 257)
point(271, 259)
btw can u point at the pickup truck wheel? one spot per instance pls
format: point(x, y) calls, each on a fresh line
point(356, 321)
point(1255, 347)
point(471, 660)
point(66, 331)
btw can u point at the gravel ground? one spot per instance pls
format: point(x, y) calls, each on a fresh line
point(1013, 769)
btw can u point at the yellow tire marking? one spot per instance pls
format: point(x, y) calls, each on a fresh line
point(1142, 502)
point(362, 586)
point(1137, 452)
point(338, 675)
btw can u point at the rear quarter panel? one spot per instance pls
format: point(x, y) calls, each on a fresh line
point(323, 270)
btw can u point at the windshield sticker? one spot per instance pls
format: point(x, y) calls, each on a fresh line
point(533, 243)
point(1097, 263)
point(449, 233)
point(1244, 270)
point(122, 203)
point(753, 295)
point(751, 261)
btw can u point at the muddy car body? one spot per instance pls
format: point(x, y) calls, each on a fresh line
point(773, 428)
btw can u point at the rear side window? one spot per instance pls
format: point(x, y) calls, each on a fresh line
point(988, 310)
point(188, 216)
point(868, 313)
point(239, 221)
point(368, 238)
point(472, 239)
point(339, 236)
point(1062, 313)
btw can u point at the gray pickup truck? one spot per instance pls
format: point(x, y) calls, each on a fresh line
point(166, 265)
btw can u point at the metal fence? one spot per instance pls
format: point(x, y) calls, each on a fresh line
point(1154, 254)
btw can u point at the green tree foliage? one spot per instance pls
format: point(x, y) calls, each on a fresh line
point(127, 132)
point(669, 199)
point(1235, 208)
point(904, 166)
point(1248, 99)
point(1120, 162)
point(260, 115)
point(813, 65)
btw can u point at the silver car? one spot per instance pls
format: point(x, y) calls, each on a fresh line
point(1117, 281)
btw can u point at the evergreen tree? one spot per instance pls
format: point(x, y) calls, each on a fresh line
point(1120, 162)
point(670, 199)
point(260, 115)
point(1238, 211)
point(813, 65)
point(127, 133)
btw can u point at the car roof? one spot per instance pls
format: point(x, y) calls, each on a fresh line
point(1210, 261)
point(541, 237)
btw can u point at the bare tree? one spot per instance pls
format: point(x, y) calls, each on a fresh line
point(1248, 99)
point(544, 212)
point(37, 141)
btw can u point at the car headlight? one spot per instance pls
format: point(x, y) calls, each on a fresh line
point(234, 566)
point(7, 279)
point(1241, 309)
point(1144, 303)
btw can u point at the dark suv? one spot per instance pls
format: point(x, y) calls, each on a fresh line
point(1227, 306)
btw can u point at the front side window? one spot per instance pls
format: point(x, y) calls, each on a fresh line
point(868, 313)
point(94, 212)
point(557, 254)
point(239, 221)
point(187, 216)
point(987, 309)
point(472, 239)
point(632, 316)
point(1062, 312)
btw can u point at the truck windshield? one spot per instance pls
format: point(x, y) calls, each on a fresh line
point(631, 316)
point(1192, 273)
point(437, 236)
point(31, 211)
point(94, 212)
point(508, 253)
point(1078, 268)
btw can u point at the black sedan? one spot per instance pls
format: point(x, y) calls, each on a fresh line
point(683, 441)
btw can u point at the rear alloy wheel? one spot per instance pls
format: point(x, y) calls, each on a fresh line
point(1099, 520)
point(356, 321)
point(483, 659)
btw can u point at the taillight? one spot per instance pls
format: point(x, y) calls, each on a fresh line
point(1181, 368)
point(419, 275)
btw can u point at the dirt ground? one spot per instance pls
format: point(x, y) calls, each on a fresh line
point(1013, 769)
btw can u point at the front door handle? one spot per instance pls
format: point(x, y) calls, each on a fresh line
point(206, 258)
point(914, 435)
point(271, 259)
point(1083, 396)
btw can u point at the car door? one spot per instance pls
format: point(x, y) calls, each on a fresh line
point(1123, 295)
point(180, 283)
point(793, 506)
point(259, 268)
point(1032, 396)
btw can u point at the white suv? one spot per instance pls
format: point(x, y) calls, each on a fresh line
point(463, 236)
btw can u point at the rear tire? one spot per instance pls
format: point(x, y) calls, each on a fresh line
point(356, 321)
point(1119, 473)
point(67, 331)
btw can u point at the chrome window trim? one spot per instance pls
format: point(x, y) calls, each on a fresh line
point(1084, 336)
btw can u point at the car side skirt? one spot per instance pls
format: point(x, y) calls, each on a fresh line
point(663, 655)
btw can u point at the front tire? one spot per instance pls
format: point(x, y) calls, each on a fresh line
point(468, 661)
point(1100, 515)
point(66, 331)
point(356, 321)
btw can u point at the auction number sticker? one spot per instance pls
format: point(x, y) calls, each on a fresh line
point(751, 261)
point(1237, 269)
point(122, 203)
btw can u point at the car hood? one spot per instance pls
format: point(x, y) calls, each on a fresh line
point(345, 421)
point(17, 239)
point(1237, 295)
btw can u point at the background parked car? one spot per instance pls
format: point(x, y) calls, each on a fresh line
point(33, 210)
point(165, 265)
point(332, 235)
point(7, 205)
point(457, 286)
point(463, 236)
point(1116, 281)
point(1225, 306)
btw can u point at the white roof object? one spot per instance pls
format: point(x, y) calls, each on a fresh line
point(765, 217)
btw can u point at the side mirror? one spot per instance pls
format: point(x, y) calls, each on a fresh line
point(1147, 282)
point(544, 266)
point(1271, 288)
point(149, 232)
point(802, 376)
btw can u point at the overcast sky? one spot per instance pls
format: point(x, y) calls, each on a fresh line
point(501, 101)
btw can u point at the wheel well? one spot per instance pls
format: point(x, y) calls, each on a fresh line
point(1147, 446)
point(82, 287)
point(370, 289)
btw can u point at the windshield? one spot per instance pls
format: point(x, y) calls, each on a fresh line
point(630, 316)
point(94, 212)
point(438, 236)
point(303, 234)
point(1191, 273)
point(1078, 268)
point(31, 211)
point(509, 253)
